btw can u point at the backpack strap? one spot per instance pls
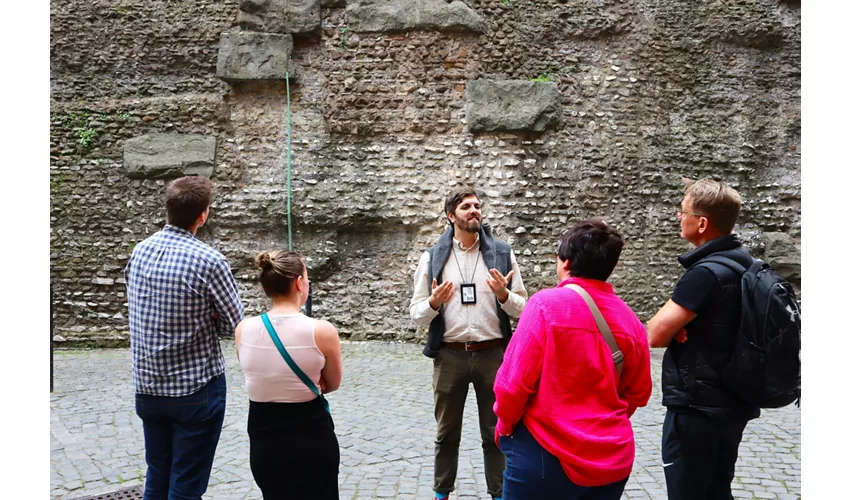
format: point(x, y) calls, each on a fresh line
point(726, 261)
point(604, 329)
point(291, 362)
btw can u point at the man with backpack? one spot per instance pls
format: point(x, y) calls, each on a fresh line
point(731, 330)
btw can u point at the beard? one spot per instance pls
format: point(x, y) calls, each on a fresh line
point(470, 226)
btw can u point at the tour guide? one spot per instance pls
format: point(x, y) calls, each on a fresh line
point(464, 288)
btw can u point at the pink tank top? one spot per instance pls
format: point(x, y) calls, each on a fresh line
point(267, 376)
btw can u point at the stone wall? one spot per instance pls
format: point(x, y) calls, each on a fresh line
point(650, 92)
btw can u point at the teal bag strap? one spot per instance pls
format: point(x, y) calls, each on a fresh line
point(291, 362)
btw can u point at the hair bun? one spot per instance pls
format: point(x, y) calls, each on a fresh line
point(263, 261)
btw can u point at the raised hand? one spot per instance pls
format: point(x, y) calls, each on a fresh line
point(440, 294)
point(499, 284)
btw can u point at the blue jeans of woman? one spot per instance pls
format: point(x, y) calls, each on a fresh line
point(533, 473)
point(181, 435)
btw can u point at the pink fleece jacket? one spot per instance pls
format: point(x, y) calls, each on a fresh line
point(559, 379)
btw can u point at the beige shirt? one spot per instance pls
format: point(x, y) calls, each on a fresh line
point(466, 322)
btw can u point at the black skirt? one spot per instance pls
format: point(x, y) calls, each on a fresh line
point(294, 450)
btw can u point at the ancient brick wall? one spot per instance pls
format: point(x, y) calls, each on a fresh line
point(650, 92)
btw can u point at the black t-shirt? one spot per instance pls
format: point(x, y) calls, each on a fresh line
point(697, 290)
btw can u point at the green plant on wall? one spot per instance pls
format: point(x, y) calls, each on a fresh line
point(343, 37)
point(550, 72)
point(85, 134)
point(56, 183)
point(544, 77)
point(77, 119)
point(507, 2)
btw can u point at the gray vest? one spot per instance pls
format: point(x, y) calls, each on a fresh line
point(496, 253)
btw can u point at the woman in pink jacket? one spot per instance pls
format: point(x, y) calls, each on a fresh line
point(563, 409)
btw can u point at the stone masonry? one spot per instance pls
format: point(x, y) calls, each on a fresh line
point(649, 93)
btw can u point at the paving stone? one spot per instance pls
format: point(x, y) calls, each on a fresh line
point(73, 485)
point(777, 489)
point(96, 476)
point(389, 380)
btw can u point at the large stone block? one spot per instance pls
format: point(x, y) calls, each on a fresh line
point(169, 155)
point(280, 16)
point(405, 15)
point(254, 56)
point(512, 105)
point(783, 256)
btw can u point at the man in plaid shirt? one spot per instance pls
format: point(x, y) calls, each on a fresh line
point(182, 297)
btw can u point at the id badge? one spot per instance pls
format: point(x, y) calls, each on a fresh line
point(467, 293)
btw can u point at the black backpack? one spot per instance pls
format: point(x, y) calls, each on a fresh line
point(764, 368)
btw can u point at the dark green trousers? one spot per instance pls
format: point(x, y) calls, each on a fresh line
point(453, 372)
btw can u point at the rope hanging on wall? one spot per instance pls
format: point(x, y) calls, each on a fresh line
point(288, 165)
point(308, 307)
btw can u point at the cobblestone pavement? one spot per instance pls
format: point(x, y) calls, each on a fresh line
point(384, 420)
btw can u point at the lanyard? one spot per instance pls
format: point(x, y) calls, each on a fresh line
point(477, 256)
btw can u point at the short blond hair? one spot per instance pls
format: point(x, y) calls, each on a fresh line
point(717, 201)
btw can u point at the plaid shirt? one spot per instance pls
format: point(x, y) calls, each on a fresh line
point(182, 296)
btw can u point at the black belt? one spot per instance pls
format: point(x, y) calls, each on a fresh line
point(473, 346)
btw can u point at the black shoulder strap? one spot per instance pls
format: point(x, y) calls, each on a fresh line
point(726, 261)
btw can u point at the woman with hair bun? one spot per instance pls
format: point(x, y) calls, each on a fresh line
point(294, 450)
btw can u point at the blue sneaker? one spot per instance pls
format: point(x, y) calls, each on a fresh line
point(440, 496)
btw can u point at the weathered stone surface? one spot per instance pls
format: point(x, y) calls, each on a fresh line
point(589, 19)
point(512, 105)
point(255, 56)
point(405, 15)
point(783, 256)
point(740, 22)
point(280, 16)
point(651, 92)
point(156, 156)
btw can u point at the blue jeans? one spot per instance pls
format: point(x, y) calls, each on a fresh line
point(181, 435)
point(533, 473)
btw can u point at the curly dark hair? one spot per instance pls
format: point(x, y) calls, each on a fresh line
point(456, 196)
point(593, 249)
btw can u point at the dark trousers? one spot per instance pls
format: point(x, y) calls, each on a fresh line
point(533, 473)
point(453, 372)
point(294, 450)
point(181, 435)
point(699, 455)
